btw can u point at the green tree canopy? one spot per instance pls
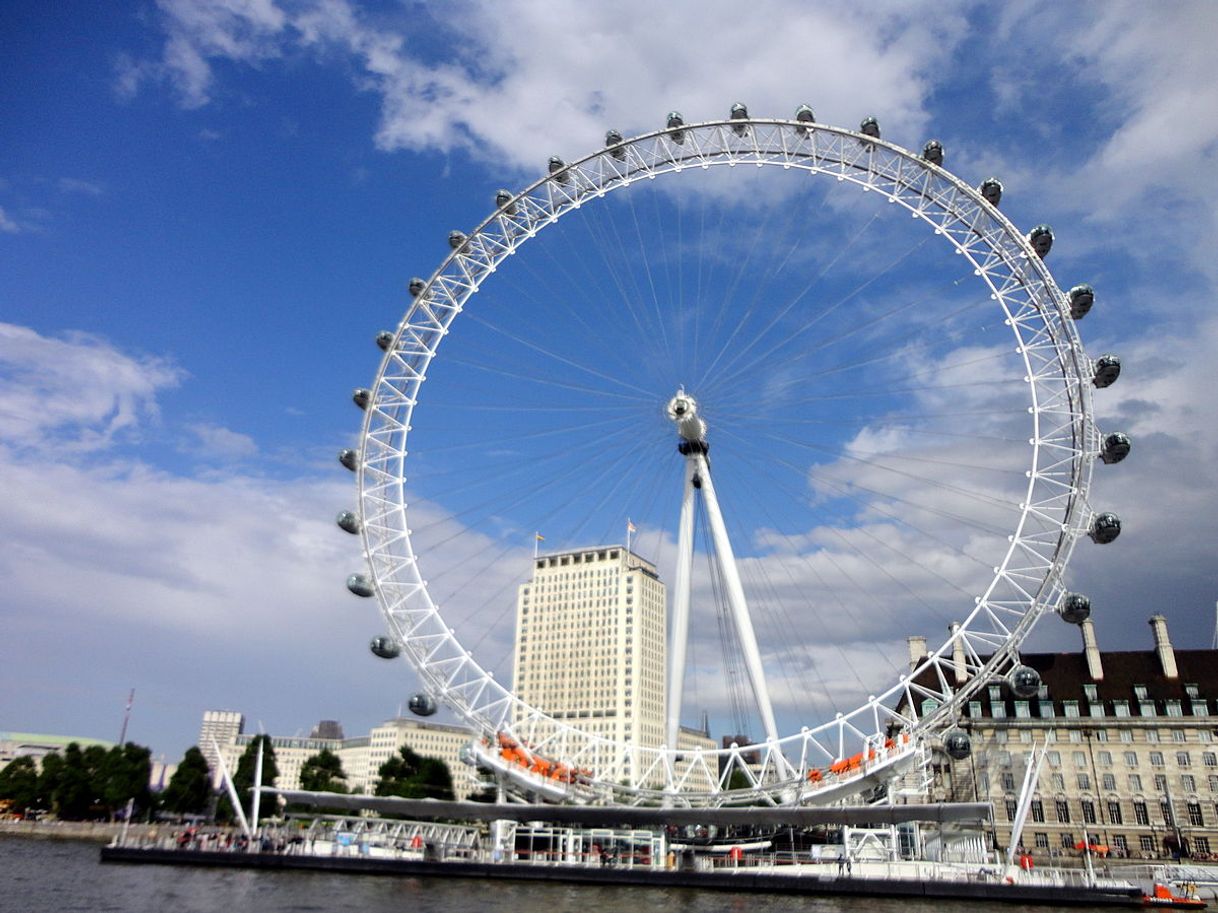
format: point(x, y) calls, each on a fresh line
point(413, 777)
point(243, 779)
point(74, 797)
point(189, 788)
point(323, 773)
point(19, 784)
point(123, 775)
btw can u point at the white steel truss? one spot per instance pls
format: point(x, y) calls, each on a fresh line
point(881, 734)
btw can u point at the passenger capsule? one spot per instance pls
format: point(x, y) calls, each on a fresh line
point(558, 169)
point(675, 120)
point(741, 113)
point(465, 755)
point(1075, 608)
point(991, 189)
point(1106, 370)
point(457, 239)
point(422, 704)
point(1041, 239)
point(1116, 447)
point(384, 648)
point(503, 200)
point(1024, 681)
point(362, 397)
point(613, 142)
point(384, 339)
point(1081, 299)
point(933, 152)
point(804, 115)
point(416, 287)
point(870, 127)
point(348, 521)
point(1105, 528)
point(360, 585)
point(957, 744)
point(349, 459)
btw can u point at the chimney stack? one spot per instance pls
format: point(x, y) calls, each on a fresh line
point(961, 670)
point(1092, 651)
point(917, 650)
point(1167, 656)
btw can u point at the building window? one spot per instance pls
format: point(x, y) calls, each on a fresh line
point(1080, 759)
point(1189, 783)
point(1023, 710)
point(1114, 812)
point(995, 693)
point(1119, 841)
point(1038, 812)
point(1008, 781)
point(1169, 814)
point(1209, 759)
point(1090, 692)
point(1046, 709)
point(1174, 708)
point(1140, 814)
point(1131, 759)
point(998, 711)
point(1126, 735)
point(1067, 841)
point(1084, 781)
point(1194, 815)
point(1139, 691)
point(1147, 843)
point(1200, 708)
point(1146, 708)
point(974, 709)
point(1010, 804)
point(1058, 781)
point(1120, 708)
point(1041, 840)
point(1160, 783)
point(1106, 758)
point(1088, 811)
point(1183, 759)
point(1055, 759)
point(1156, 759)
point(1063, 811)
point(1109, 781)
point(1152, 735)
point(1191, 689)
point(1201, 845)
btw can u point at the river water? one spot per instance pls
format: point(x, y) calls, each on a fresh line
point(53, 876)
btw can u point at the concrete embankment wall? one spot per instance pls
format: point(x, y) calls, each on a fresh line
point(99, 831)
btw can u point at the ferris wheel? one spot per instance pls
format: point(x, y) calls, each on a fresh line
point(823, 424)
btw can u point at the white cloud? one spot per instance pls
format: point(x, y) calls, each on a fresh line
point(215, 441)
point(7, 224)
point(529, 81)
point(77, 390)
point(76, 185)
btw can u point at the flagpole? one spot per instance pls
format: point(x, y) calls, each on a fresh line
point(536, 539)
point(629, 527)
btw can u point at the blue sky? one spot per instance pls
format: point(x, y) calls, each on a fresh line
point(207, 210)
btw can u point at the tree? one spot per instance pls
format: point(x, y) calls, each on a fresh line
point(413, 777)
point(74, 797)
point(243, 779)
point(19, 784)
point(48, 780)
point(189, 788)
point(323, 773)
point(122, 776)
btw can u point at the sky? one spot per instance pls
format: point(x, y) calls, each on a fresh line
point(208, 208)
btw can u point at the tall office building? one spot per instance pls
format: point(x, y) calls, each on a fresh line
point(590, 649)
point(220, 727)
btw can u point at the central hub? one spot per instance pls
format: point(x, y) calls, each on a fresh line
point(683, 410)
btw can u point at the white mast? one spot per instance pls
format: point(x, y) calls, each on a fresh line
point(232, 790)
point(683, 410)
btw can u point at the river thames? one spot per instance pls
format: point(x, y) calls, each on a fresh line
point(54, 876)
